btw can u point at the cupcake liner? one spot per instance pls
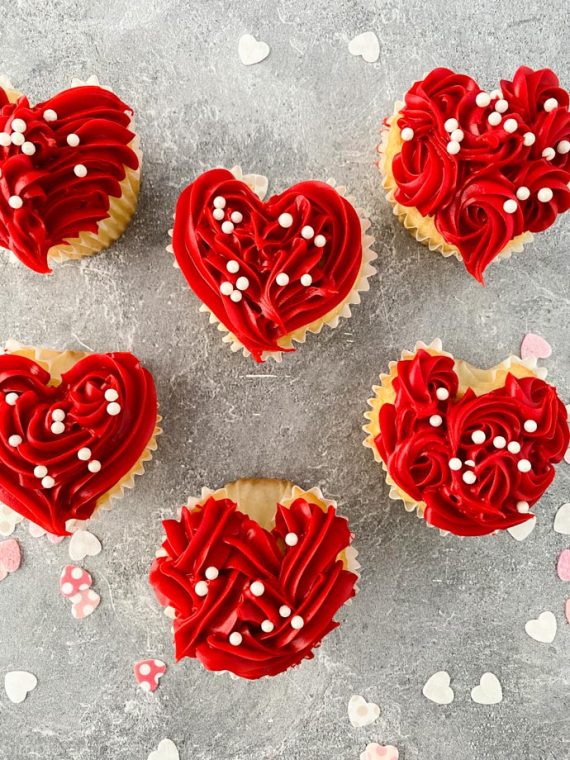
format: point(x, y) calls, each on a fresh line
point(259, 184)
point(421, 227)
point(480, 380)
point(57, 363)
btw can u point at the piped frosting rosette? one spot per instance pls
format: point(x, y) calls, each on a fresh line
point(253, 574)
point(472, 450)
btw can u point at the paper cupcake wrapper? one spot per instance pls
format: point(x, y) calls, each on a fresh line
point(56, 363)
point(423, 228)
point(259, 184)
point(480, 380)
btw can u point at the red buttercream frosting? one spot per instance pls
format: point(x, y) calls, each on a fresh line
point(465, 192)
point(46, 474)
point(56, 204)
point(227, 579)
point(418, 454)
point(317, 245)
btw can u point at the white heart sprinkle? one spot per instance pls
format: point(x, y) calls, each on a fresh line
point(252, 51)
point(562, 520)
point(18, 684)
point(489, 691)
point(438, 690)
point(83, 544)
point(360, 712)
point(522, 530)
point(166, 751)
point(365, 45)
point(542, 629)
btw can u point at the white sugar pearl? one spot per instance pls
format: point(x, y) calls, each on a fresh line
point(113, 409)
point(218, 214)
point(306, 280)
point(478, 436)
point(282, 279)
point(499, 442)
point(442, 394)
point(483, 99)
point(73, 140)
point(320, 241)
point(455, 464)
point(457, 135)
point(453, 147)
point(80, 170)
point(510, 206)
point(94, 465)
point(235, 639)
point(501, 106)
point(285, 220)
point(84, 454)
point(563, 147)
point(14, 440)
point(267, 626)
point(5, 139)
point(550, 104)
point(226, 288)
point(494, 118)
point(523, 193)
point(236, 217)
point(17, 138)
point(523, 507)
point(545, 195)
point(514, 447)
point(450, 125)
point(236, 296)
point(530, 426)
point(232, 266)
point(496, 94)
point(523, 465)
point(407, 134)
point(48, 482)
point(510, 125)
point(28, 149)
point(57, 428)
point(257, 588)
point(291, 539)
point(19, 125)
point(211, 573)
point(201, 588)
point(40, 471)
point(219, 202)
point(50, 115)
point(58, 415)
point(227, 227)
point(14, 201)
point(469, 477)
point(11, 399)
point(436, 420)
point(284, 611)
point(529, 138)
point(297, 622)
point(242, 283)
point(307, 232)
point(548, 153)
point(111, 394)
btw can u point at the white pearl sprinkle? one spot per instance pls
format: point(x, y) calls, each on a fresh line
point(57, 428)
point(455, 464)
point(211, 573)
point(267, 626)
point(510, 206)
point(282, 279)
point(550, 104)
point(48, 482)
point(478, 436)
point(94, 465)
point(232, 266)
point(483, 99)
point(320, 241)
point(469, 477)
point(499, 442)
point(58, 415)
point(80, 170)
point(257, 588)
point(227, 227)
point(470, 463)
point(236, 296)
point(307, 232)
point(529, 138)
point(510, 125)
point(436, 420)
point(523, 465)
point(407, 134)
point(291, 539)
point(442, 394)
point(113, 408)
point(14, 440)
point(226, 288)
point(530, 426)
point(563, 147)
point(523, 507)
point(14, 201)
point(5, 139)
point(297, 622)
point(111, 394)
point(285, 220)
point(236, 217)
point(453, 147)
point(219, 202)
point(50, 115)
point(494, 118)
point(514, 447)
point(450, 125)
point(84, 454)
point(28, 149)
point(17, 138)
point(457, 135)
point(523, 193)
point(11, 398)
point(545, 195)
point(306, 280)
point(501, 106)
point(496, 94)
point(40, 471)
point(218, 214)
point(73, 140)
point(201, 588)
point(242, 283)
point(235, 639)
point(284, 611)
point(548, 153)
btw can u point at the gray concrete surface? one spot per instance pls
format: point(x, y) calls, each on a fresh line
point(426, 603)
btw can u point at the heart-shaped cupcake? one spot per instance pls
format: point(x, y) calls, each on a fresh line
point(255, 573)
point(69, 173)
point(74, 430)
point(473, 174)
point(472, 450)
point(269, 272)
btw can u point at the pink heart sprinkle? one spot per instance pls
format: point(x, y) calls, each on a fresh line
point(84, 603)
point(568, 610)
point(535, 345)
point(563, 566)
point(10, 555)
point(374, 751)
point(148, 673)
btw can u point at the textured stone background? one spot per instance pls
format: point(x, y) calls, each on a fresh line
point(426, 602)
